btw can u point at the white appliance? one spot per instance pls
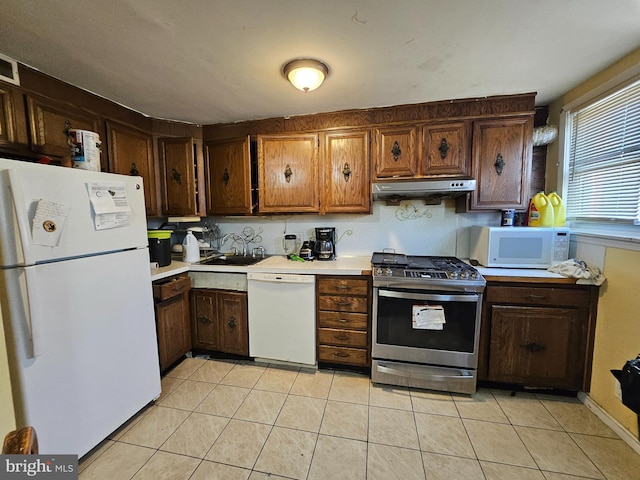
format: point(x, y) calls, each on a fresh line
point(518, 247)
point(282, 317)
point(77, 303)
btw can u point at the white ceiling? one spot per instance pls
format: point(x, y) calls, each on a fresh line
point(211, 61)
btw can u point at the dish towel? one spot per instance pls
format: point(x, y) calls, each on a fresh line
point(579, 269)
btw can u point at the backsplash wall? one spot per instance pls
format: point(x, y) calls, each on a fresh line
point(411, 227)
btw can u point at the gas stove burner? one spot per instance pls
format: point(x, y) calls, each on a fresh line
point(390, 268)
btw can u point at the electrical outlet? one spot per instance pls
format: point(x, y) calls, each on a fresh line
point(617, 390)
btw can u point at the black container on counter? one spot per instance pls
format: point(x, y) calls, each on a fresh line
point(160, 246)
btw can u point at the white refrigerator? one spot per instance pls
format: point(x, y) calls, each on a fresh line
point(77, 302)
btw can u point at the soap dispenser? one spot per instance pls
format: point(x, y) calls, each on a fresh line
point(190, 248)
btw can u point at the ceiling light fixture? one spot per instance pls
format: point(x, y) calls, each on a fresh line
point(305, 74)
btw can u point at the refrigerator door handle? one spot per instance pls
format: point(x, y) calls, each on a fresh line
point(35, 348)
point(22, 217)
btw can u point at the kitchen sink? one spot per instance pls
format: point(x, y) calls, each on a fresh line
point(231, 260)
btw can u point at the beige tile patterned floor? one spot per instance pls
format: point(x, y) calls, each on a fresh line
point(219, 419)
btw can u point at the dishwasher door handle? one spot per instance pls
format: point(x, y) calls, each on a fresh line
point(280, 278)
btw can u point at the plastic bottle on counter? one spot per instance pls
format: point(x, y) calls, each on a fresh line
point(190, 248)
point(540, 211)
point(559, 210)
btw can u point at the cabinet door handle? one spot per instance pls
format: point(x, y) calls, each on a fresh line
point(533, 347)
point(134, 172)
point(175, 174)
point(346, 171)
point(203, 320)
point(499, 164)
point(395, 151)
point(287, 173)
point(232, 322)
point(444, 148)
point(225, 177)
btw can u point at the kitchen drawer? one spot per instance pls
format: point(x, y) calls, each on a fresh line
point(343, 304)
point(343, 286)
point(170, 287)
point(356, 321)
point(537, 296)
point(344, 355)
point(348, 338)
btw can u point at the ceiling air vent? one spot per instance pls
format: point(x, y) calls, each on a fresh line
point(9, 70)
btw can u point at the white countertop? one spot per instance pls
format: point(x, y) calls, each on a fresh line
point(343, 265)
point(518, 272)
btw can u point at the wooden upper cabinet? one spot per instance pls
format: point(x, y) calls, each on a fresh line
point(445, 149)
point(228, 177)
point(501, 162)
point(288, 173)
point(130, 152)
point(346, 184)
point(178, 167)
point(8, 127)
point(49, 122)
point(396, 151)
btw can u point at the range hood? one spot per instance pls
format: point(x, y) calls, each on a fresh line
point(396, 189)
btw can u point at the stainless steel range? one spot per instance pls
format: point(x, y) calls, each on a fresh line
point(426, 322)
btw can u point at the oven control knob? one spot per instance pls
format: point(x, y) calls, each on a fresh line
point(464, 274)
point(378, 271)
point(474, 275)
point(453, 274)
point(389, 272)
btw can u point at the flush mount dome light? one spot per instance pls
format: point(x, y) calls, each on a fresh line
point(305, 74)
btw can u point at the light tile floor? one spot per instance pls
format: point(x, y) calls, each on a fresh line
point(219, 419)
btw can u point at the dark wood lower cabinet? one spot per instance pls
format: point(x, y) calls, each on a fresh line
point(219, 321)
point(172, 319)
point(538, 336)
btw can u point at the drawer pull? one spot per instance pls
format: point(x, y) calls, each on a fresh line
point(535, 297)
point(343, 320)
point(343, 304)
point(533, 347)
point(342, 287)
point(341, 354)
point(203, 320)
point(341, 337)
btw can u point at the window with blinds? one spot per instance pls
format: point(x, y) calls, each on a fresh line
point(604, 159)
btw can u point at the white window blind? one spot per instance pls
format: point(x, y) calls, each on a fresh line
point(604, 159)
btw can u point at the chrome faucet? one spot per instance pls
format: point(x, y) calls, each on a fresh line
point(236, 238)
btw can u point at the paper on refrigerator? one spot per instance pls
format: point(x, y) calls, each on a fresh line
point(48, 223)
point(110, 205)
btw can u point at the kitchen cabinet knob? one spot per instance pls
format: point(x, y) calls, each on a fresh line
point(444, 148)
point(499, 164)
point(395, 151)
point(225, 177)
point(232, 322)
point(133, 171)
point(287, 173)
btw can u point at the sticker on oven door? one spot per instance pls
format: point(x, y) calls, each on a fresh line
point(428, 317)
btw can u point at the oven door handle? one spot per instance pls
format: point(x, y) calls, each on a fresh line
point(473, 298)
point(400, 373)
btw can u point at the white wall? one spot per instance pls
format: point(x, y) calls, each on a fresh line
point(411, 228)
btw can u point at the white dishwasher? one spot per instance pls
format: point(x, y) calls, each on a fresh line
point(282, 317)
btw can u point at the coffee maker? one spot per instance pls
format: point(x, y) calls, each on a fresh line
point(324, 248)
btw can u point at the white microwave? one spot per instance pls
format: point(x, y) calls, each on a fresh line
point(518, 247)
